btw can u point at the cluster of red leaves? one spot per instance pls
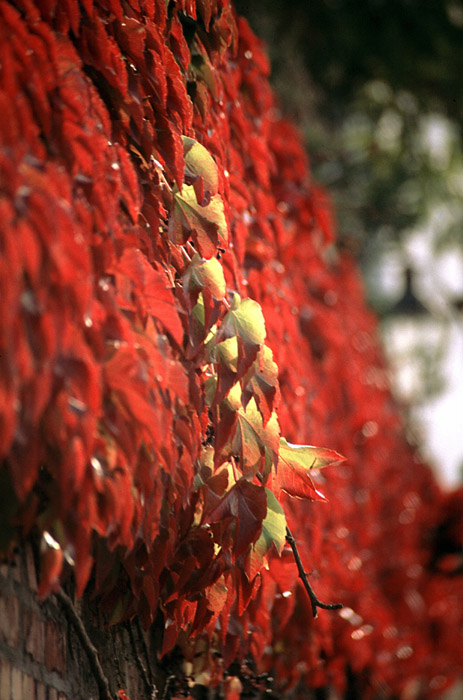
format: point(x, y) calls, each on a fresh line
point(139, 399)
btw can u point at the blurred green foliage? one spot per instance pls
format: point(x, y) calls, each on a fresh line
point(376, 88)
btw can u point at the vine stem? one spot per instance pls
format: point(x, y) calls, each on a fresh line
point(92, 654)
point(314, 600)
point(164, 181)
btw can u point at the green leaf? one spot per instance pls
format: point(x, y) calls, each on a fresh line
point(233, 400)
point(205, 224)
point(302, 458)
point(250, 437)
point(199, 164)
point(210, 386)
point(235, 302)
point(202, 273)
point(227, 353)
point(198, 311)
point(226, 356)
point(273, 527)
point(245, 320)
point(199, 333)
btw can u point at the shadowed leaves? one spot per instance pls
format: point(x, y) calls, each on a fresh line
point(247, 504)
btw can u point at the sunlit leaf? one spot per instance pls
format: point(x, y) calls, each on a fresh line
point(302, 458)
point(250, 429)
point(202, 273)
point(245, 320)
point(249, 440)
point(200, 168)
point(205, 224)
point(273, 527)
point(210, 386)
point(294, 464)
point(227, 353)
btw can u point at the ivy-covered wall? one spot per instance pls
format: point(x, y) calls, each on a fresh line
point(178, 331)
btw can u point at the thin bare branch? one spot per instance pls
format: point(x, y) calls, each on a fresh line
point(314, 601)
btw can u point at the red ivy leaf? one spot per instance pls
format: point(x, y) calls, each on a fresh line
point(151, 290)
point(247, 503)
point(122, 695)
point(261, 382)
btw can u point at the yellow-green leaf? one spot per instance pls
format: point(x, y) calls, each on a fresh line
point(251, 440)
point(207, 225)
point(200, 163)
point(205, 273)
point(245, 320)
point(227, 353)
point(210, 386)
point(273, 527)
point(303, 458)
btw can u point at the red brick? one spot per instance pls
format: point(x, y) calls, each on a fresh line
point(40, 691)
point(28, 687)
point(34, 635)
point(62, 696)
point(16, 684)
point(52, 694)
point(9, 620)
point(55, 647)
point(5, 680)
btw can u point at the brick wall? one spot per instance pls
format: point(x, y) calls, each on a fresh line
point(41, 656)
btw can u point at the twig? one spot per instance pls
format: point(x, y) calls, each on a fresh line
point(92, 654)
point(164, 181)
point(314, 601)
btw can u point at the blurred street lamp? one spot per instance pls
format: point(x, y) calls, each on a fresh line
point(413, 338)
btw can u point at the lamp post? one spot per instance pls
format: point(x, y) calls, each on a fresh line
point(413, 338)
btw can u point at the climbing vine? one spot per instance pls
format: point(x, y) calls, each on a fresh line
point(177, 324)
